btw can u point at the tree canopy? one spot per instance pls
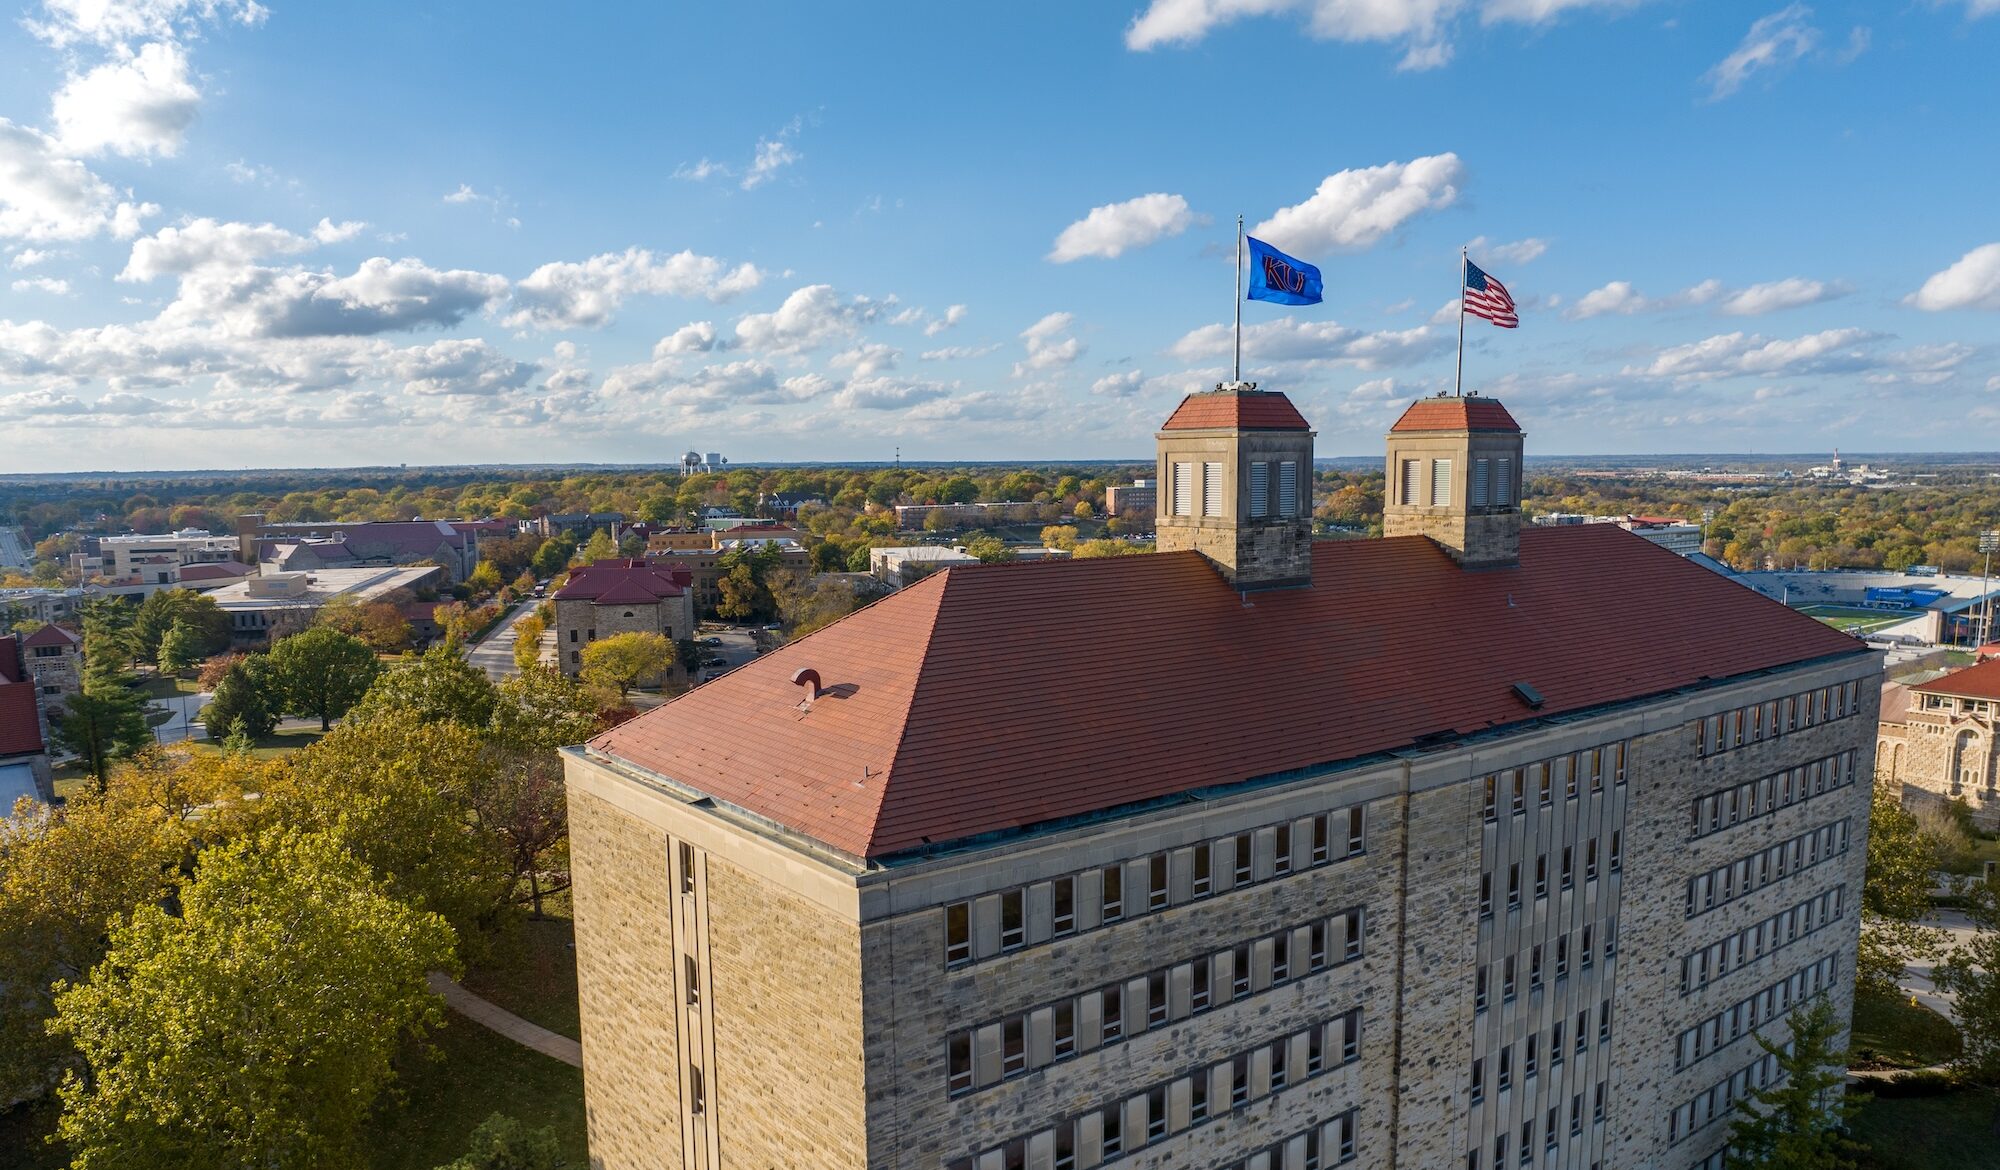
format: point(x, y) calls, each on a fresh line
point(322, 673)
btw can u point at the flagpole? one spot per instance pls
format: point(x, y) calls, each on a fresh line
point(1460, 391)
point(1239, 299)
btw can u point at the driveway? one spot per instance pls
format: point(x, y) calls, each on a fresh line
point(183, 718)
point(494, 654)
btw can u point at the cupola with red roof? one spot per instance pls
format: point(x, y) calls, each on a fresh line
point(1454, 475)
point(1235, 468)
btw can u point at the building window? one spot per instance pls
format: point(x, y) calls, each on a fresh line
point(1064, 919)
point(1357, 824)
point(1239, 1081)
point(1535, 968)
point(1156, 882)
point(1505, 1079)
point(1542, 876)
point(1198, 1098)
point(1479, 982)
point(1486, 895)
point(1156, 1113)
point(1354, 934)
point(1491, 805)
point(1013, 921)
point(1114, 1131)
point(958, 933)
point(1239, 973)
point(1322, 846)
point(1281, 1064)
point(1520, 791)
point(1569, 867)
point(1013, 1047)
point(693, 980)
point(1211, 489)
point(1507, 978)
point(1409, 481)
point(1281, 859)
point(1260, 489)
point(1243, 859)
point(1503, 482)
point(1156, 999)
point(1481, 468)
point(697, 1092)
point(1114, 1015)
point(1198, 993)
point(1514, 886)
point(1183, 475)
point(1114, 893)
point(1478, 1081)
point(1063, 1042)
point(958, 1064)
point(687, 869)
point(1440, 483)
point(1288, 489)
point(1590, 860)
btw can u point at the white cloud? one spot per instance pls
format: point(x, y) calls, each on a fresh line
point(952, 316)
point(1293, 339)
point(113, 22)
point(810, 317)
point(1621, 298)
point(886, 394)
point(1773, 42)
point(199, 243)
point(1616, 297)
point(497, 203)
point(1518, 252)
point(1973, 282)
point(381, 296)
point(694, 337)
point(1772, 296)
point(773, 155)
point(137, 105)
point(866, 360)
point(1108, 231)
point(47, 284)
point(1732, 354)
point(1422, 27)
point(1048, 348)
point(46, 196)
point(1354, 208)
point(1121, 385)
point(29, 257)
point(700, 172)
point(328, 232)
point(952, 353)
point(459, 366)
point(571, 295)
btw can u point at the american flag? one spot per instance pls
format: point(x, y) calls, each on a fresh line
point(1487, 297)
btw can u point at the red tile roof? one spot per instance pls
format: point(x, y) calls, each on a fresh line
point(952, 707)
point(624, 582)
point(1256, 410)
point(20, 726)
point(214, 571)
point(1456, 414)
point(1975, 682)
point(11, 670)
point(52, 635)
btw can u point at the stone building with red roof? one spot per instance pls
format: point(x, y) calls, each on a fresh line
point(1937, 740)
point(54, 658)
point(621, 596)
point(1258, 852)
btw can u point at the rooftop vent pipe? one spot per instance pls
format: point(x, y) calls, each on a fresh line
point(807, 677)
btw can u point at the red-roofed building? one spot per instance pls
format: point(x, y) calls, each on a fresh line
point(54, 657)
point(24, 759)
point(621, 597)
point(1941, 744)
point(1257, 844)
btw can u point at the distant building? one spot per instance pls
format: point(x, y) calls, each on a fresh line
point(700, 551)
point(24, 755)
point(903, 566)
point(266, 608)
point(1675, 536)
point(291, 548)
point(620, 596)
point(55, 659)
point(578, 524)
point(1937, 739)
point(43, 605)
point(156, 560)
point(910, 517)
point(1139, 498)
point(786, 505)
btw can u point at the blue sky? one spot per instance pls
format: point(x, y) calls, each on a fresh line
point(238, 234)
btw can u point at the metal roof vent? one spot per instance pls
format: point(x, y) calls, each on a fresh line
point(1522, 691)
point(807, 677)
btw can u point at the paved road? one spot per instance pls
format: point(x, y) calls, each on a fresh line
point(495, 653)
point(14, 550)
point(1917, 976)
point(184, 715)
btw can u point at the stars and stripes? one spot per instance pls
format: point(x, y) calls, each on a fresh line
point(1487, 297)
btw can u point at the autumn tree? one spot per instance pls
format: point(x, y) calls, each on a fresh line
point(553, 554)
point(600, 547)
point(197, 1056)
point(540, 710)
point(528, 640)
point(1970, 973)
point(438, 685)
point(485, 579)
point(1061, 536)
point(625, 660)
point(322, 672)
point(1108, 548)
point(740, 593)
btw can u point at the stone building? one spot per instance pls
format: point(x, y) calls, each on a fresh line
point(620, 597)
point(55, 659)
point(1936, 739)
point(1335, 871)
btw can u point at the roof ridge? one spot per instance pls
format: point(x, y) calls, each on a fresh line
point(944, 583)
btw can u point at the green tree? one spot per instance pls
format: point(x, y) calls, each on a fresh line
point(485, 579)
point(1798, 1120)
point(528, 640)
point(162, 611)
point(1059, 536)
point(600, 547)
point(550, 558)
point(624, 660)
point(108, 644)
point(101, 727)
point(322, 673)
point(1108, 548)
point(247, 698)
point(1971, 974)
point(739, 591)
point(1896, 897)
point(988, 548)
point(181, 649)
point(438, 685)
point(199, 1056)
point(502, 1143)
point(540, 710)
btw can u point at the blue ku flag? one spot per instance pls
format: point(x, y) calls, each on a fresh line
point(1275, 276)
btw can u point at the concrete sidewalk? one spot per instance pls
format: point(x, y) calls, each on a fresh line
point(506, 1023)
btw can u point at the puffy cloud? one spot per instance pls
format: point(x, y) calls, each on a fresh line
point(694, 337)
point(1770, 297)
point(952, 353)
point(1518, 252)
point(1621, 298)
point(952, 316)
point(1973, 282)
point(200, 243)
point(810, 317)
point(47, 284)
point(1111, 229)
point(866, 360)
point(458, 366)
point(700, 172)
point(571, 295)
point(1773, 42)
point(114, 22)
point(1354, 208)
point(773, 155)
point(137, 105)
point(46, 196)
point(1291, 339)
point(497, 203)
point(1617, 297)
point(29, 257)
point(1048, 348)
point(1732, 354)
point(381, 296)
point(1420, 26)
point(1120, 385)
point(886, 394)
point(328, 232)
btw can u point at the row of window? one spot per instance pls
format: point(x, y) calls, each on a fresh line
point(1586, 956)
point(1565, 874)
point(1551, 1133)
point(1728, 730)
point(1728, 807)
point(1540, 781)
point(1716, 1101)
point(1002, 923)
point(1330, 1143)
point(1492, 482)
point(1531, 1052)
point(1747, 1015)
point(1747, 875)
point(1051, 1033)
point(1152, 1115)
point(1262, 500)
point(1751, 943)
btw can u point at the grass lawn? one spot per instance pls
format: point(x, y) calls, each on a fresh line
point(532, 970)
point(166, 686)
point(481, 1073)
point(1869, 620)
point(1895, 1033)
point(1949, 1132)
point(282, 742)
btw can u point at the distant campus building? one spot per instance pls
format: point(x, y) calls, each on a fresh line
point(610, 597)
point(453, 545)
point(281, 602)
point(1937, 740)
point(1258, 853)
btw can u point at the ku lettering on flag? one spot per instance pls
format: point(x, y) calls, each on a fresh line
point(1277, 277)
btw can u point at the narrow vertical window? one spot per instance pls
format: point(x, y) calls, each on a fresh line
point(1013, 921)
point(1260, 489)
point(1354, 934)
point(1239, 972)
point(1288, 489)
point(1114, 893)
point(1440, 482)
point(958, 933)
point(1243, 859)
point(958, 1064)
point(1064, 1030)
point(1481, 493)
point(1211, 489)
point(1113, 1016)
point(1063, 920)
point(1322, 846)
point(687, 868)
point(1281, 858)
point(1204, 880)
point(1013, 1047)
point(692, 979)
point(1356, 830)
point(697, 1092)
point(1198, 1097)
point(1183, 489)
point(1156, 999)
point(1156, 882)
point(1409, 481)
point(1503, 482)
point(1198, 992)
